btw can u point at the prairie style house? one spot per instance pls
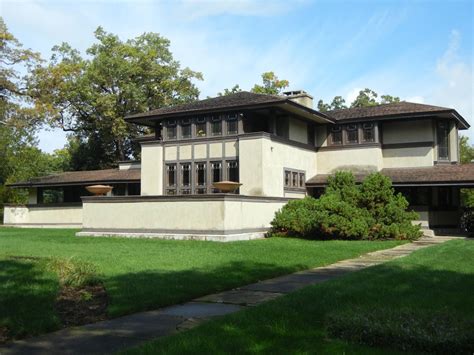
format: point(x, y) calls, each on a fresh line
point(276, 146)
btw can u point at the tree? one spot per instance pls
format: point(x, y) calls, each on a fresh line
point(235, 89)
point(91, 96)
point(365, 98)
point(271, 84)
point(387, 99)
point(466, 150)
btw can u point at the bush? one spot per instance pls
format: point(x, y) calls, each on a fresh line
point(406, 330)
point(347, 211)
point(467, 221)
point(74, 273)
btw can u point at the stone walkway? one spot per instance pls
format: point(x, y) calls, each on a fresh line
point(124, 332)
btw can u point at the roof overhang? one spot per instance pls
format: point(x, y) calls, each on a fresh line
point(28, 184)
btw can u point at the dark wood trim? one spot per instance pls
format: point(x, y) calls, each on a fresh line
point(77, 183)
point(408, 145)
point(170, 198)
point(46, 205)
point(350, 146)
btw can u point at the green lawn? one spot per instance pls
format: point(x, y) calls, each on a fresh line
point(407, 304)
point(142, 274)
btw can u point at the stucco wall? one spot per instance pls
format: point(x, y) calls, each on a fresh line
point(410, 131)
point(152, 169)
point(262, 164)
point(205, 216)
point(408, 157)
point(298, 131)
point(42, 215)
point(354, 159)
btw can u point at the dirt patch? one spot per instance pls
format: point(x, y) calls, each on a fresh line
point(4, 335)
point(78, 306)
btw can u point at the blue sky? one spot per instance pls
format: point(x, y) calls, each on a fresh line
point(421, 51)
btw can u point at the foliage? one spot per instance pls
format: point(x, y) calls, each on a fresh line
point(90, 96)
point(371, 210)
point(73, 272)
point(235, 89)
point(437, 332)
point(467, 221)
point(366, 97)
point(466, 150)
point(271, 84)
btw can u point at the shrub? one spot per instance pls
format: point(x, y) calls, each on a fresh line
point(348, 211)
point(467, 221)
point(74, 273)
point(437, 332)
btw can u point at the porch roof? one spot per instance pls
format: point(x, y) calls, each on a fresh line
point(461, 175)
point(90, 177)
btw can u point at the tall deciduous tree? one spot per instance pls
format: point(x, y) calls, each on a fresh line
point(366, 97)
point(271, 84)
point(90, 96)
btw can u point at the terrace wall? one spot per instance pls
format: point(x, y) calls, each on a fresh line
point(47, 216)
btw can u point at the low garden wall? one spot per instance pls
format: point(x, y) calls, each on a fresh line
point(64, 215)
point(217, 217)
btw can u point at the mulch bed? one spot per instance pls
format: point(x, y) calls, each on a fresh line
point(78, 306)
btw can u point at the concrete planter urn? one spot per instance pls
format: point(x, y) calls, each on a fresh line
point(226, 186)
point(99, 190)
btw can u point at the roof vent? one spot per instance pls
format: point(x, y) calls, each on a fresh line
point(301, 97)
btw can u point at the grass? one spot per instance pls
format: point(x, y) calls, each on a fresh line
point(143, 274)
point(423, 302)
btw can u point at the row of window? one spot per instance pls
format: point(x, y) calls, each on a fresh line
point(294, 179)
point(198, 177)
point(202, 127)
point(352, 134)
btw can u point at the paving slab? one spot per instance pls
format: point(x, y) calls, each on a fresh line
point(241, 297)
point(200, 310)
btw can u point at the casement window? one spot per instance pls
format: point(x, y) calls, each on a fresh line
point(352, 134)
point(294, 179)
point(232, 124)
point(186, 128)
point(233, 170)
point(171, 129)
point(216, 126)
point(442, 135)
point(368, 132)
point(216, 173)
point(201, 127)
point(201, 177)
point(336, 135)
point(185, 179)
point(171, 179)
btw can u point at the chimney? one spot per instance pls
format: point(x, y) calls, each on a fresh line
point(300, 96)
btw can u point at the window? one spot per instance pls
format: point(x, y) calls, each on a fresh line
point(171, 129)
point(185, 185)
point(352, 133)
point(201, 127)
point(336, 135)
point(294, 179)
point(186, 128)
point(443, 140)
point(216, 173)
point(201, 178)
point(232, 124)
point(368, 132)
point(233, 171)
point(216, 126)
point(171, 179)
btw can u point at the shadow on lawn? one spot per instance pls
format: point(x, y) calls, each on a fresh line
point(157, 288)
point(411, 309)
point(27, 294)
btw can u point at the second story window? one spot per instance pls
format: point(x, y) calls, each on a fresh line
point(336, 135)
point(216, 126)
point(171, 129)
point(442, 136)
point(232, 124)
point(201, 127)
point(186, 128)
point(368, 132)
point(294, 179)
point(352, 133)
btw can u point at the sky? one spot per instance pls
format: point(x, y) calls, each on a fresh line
point(421, 51)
